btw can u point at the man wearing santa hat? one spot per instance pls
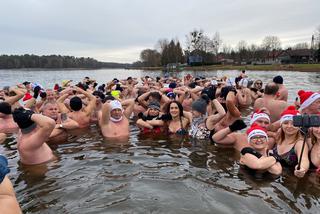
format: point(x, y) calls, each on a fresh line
point(309, 102)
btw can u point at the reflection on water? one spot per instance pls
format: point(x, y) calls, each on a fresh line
point(159, 174)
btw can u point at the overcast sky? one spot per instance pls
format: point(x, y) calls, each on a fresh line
point(117, 30)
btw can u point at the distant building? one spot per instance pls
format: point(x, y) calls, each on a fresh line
point(296, 56)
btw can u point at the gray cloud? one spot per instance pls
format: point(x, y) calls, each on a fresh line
point(117, 30)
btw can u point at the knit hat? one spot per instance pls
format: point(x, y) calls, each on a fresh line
point(256, 130)
point(154, 105)
point(278, 79)
point(257, 115)
point(115, 104)
point(307, 98)
point(288, 114)
point(200, 105)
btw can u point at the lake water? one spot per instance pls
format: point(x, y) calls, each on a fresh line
point(151, 174)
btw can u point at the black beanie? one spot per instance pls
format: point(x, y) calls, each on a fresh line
point(5, 108)
point(76, 103)
point(200, 105)
point(278, 79)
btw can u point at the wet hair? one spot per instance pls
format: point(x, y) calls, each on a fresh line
point(76, 103)
point(99, 94)
point(179, 106)
point(156, 95)
point(271, 89)
point(5, 108)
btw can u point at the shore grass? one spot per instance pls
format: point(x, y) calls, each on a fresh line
point(289, 67)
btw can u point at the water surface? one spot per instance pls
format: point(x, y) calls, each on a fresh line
point(152, 174)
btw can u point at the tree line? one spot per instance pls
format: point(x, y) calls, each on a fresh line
point(53, 61)
point(212, 50)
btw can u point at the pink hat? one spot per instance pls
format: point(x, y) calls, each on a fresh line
point(307, 98)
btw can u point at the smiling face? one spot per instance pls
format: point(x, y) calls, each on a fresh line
point(316, 133)
point(116, 113)
point(314, 108)
point(288, 128)
point(259, 142)
point(174, 110)
point(153, 112)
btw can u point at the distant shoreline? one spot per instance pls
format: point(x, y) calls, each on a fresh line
point(289, 67)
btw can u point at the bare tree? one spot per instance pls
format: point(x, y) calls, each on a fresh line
point(303, 45)
point(161, 44)
point(270, 43)
point(194, 40)
point(217, 42)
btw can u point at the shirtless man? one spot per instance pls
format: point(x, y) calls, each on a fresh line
point(283, 91)
point(79, 113)
point(275, 107)
point(7, 125)
point(309, 102)
point(63, 122)
point(35, 130)
point(12, 96)
point(228, 136)
point(114, 122)
point(8, 200)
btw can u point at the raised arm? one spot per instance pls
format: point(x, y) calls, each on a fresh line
point(215, 118)
point(62, 107)
point(13, 99)
point(230, 103)
point(92, 100)
point(128, 104)
point(105, 114)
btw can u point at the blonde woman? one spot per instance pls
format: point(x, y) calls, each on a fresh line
point(289, 144)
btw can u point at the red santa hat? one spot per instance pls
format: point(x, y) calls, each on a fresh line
point(288, 114)
point(256, 130)
point(257, 115)
point(307, 98)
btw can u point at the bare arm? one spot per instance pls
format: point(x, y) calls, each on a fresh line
point(234, 111)
point(8, 200)
point(105, 114)
point(215, 118)
point(19, 94)
point(62, 107)
point(253, 162)
point(129, 104)
point(92, 101)
point(304, 161)
point(46, 125)
point(224, 136)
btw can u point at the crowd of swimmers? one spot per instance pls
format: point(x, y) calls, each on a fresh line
point(208, 109)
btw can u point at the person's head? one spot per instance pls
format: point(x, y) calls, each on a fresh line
point(116, 110)
point(278, 79)
point(154, 108)
point(271, 89)
point(225, 91)
point(129, 80)
point(260, 118)
point(99, 95)
point(23, 118)
point(287, 128)
point(76, 103)
point(50, 109)
point(258, 84)
point(309, 102)
point(5, 109)
point(199, 107)
point(257, 137)
point(175, 109)
point(50, 94)
point(154, 96)
point(27, 85)
point(171, 95)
